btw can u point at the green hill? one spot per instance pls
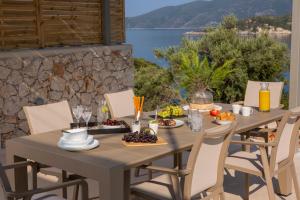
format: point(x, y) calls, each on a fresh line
point(261, 21)
point(201, 13)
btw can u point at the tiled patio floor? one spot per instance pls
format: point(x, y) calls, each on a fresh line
point(233, 184)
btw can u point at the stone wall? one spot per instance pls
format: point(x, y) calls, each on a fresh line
point(80, 75)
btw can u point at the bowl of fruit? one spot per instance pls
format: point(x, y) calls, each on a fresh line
point(225, 118)
point(171, 111)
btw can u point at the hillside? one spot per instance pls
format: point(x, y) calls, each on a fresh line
point(252, 23)
point(202, 13)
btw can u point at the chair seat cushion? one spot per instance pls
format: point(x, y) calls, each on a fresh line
point(245, 162)
point(47, 197)
point(159, 188)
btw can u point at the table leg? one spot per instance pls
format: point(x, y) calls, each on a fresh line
point(285, 182)
point(127, 185)
point(18, 177)
point(178, 160)
point(111, 185)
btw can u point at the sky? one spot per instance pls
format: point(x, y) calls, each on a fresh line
point(138, 7)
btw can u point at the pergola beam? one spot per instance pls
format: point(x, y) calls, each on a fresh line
point(294, 92)
point(106, 23)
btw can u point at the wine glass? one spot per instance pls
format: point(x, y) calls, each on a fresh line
point(77, 112)
point(86, 115)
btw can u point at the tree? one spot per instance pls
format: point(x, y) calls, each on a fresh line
point(154, 83)
point(259, 58)
point(229, 22)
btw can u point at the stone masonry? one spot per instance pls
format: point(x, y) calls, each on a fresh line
point(80, 75)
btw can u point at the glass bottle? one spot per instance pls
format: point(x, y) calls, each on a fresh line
point(264, 97)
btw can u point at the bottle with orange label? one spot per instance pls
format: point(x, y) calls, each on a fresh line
point(264, 98)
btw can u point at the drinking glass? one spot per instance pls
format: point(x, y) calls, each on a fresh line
point(86, 115)
point(77, 112)
point(102, 112)
point(196, 120)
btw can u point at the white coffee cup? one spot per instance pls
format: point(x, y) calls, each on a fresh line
point(78, 134)
point(247, 111)
point(236, 108)
point(154, 127)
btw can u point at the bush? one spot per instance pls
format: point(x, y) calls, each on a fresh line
point(153, 82)
point(259, 58)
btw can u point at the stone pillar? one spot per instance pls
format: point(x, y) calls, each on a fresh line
point(80, 75)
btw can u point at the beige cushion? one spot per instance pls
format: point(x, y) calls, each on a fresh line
point(50, 117)
point(158, 188)
point(121, 103)
point(47, 197)
point(206, 167)
point(252, 93)
point(245, 162)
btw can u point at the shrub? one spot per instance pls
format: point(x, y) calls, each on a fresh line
point(153, 82)
point(259, 58)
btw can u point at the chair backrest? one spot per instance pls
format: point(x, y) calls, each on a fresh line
point(49, 117)
point(252, 93)
point(207, 160)
point(286, 138)
point(120, 103)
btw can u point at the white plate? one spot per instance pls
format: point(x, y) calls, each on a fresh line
point(76, 143)
point(178, 124)
point(92, 145)
point(112, 127)
point(223, 122)
point(216, 107)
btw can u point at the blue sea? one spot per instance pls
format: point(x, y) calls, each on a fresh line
point(144, 41)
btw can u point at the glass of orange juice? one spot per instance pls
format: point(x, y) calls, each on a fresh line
point(264, 97)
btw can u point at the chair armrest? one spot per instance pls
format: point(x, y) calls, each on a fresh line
point(261, 144)
point(239, 102)
point(264, 130)
point(30, 193)
point(18, 165)
point(166, 170)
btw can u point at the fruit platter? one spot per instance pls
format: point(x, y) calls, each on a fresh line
point(225, 118)
point(171, 111)
point(170, 123)
point(144, 138)
point(112, 124)
point(109, 127)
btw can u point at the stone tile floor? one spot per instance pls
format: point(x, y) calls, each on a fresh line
point(233, 184)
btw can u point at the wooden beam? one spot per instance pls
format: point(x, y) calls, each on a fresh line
point(106, 23)
point(294, 91)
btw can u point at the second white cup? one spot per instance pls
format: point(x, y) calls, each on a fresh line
point(236, 108)
point(247, 111)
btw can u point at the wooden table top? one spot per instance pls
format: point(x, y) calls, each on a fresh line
point(113, 154)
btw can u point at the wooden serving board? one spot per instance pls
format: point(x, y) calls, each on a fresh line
point(160, 141)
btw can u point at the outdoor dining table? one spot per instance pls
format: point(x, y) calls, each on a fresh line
point(110, 163)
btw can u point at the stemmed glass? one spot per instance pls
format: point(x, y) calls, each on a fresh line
point(86, 115)
point(77, 112)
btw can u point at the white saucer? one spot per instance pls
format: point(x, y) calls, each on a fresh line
point(92, 145)
point(223, 122)
point(178, 124)
point(76, 143)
